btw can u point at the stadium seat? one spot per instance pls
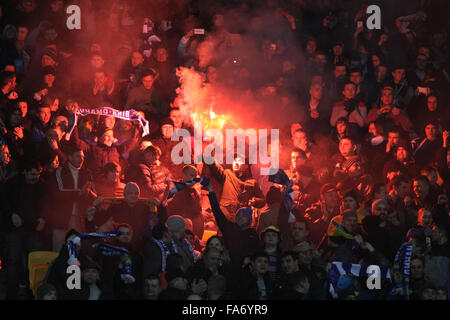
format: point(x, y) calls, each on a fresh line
point(38, 264)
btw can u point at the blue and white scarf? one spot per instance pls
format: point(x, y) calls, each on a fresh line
point(125, 266)
point(401, 271)
point(72, 243)
point(339, 269)
point(288, 194)
point(110, 112)
point(166, 252)
point(180, 185)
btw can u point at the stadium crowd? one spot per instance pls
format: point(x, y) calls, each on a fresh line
point(364, 122)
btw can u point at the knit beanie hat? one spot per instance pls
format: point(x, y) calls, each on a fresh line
point(130, 187)
point(247, 211)
point(50, 53)
point(167, 121)
point(175, 223)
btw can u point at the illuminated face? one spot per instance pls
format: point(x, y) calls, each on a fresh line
point(393, 138)
point(147, 82)
point(288, 265)
point(177, 118)
point(430, 132)
point(417, 269)
point(297, 160)
point(97, 62)
point(113, 175)
point(316, 91)
point(215, 243)
point(131, 197)
point(44, 115)
point(242, 220)
point(346, 147)
point(402, 189)
point(152, 288)
point(100, 79)
point(402, 154)
point(305, 257)
point(271, 238)
point(381, 210)
point(125, 235)
point(238, 164)
point(398, 75)
point(420, 189)
point(15, 117)
point(107, 138)
point(136, 59)
point(340, 72)
point(261, 264)
point(55, 105)
point(161, 55)
point(425, 218)
point(349, 203)
point(299, 232)
point(167, 131)
point(22, 33)
point(49, 79)
point(381, 193)
point(300, 140)
point(375, 61)
point(355, 77)
point(90, 276)
point(432, 176)
point(337, 50)
point(349, 91)
point(382, 71)
point(341, 127)
point(110, 122)
point(77, 159)
point(432, 103)
point(321, 59)
point(311, 46)
point(350, 223)
point(32, 176)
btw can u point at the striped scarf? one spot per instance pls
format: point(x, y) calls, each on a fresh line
point(401, 271)
point(339, 269)
point(72, 243)
point(166, 251)
point(125, 267)
point(180, 185)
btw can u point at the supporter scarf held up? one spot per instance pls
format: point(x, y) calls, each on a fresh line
point(401, 271)
point(72, 243)
point(125, 266)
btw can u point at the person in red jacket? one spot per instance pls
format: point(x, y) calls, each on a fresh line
point(186, 202)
